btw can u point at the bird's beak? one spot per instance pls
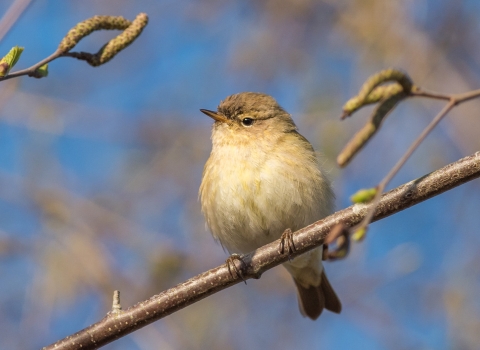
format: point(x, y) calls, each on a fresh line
point(214, 115)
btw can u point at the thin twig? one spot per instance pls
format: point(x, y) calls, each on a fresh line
point(31, 70)
point(381, 186)
point(116, 325)
point(418, 92)
point(11, 16)
point(453, 101)
point(372, 92)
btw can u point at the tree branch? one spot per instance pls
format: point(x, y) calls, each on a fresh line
point(119, 323)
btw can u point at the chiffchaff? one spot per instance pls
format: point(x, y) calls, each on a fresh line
point(262, 178)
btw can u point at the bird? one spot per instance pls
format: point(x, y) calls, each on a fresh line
point(261, 180)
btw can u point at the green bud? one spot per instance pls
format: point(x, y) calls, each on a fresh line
point(9, 60)
point(364, 195)
point(359, 234)
point(41, 71)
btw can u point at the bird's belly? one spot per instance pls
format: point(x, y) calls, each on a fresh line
point(254, 203)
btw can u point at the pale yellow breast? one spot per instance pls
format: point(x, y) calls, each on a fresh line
point(251, 192)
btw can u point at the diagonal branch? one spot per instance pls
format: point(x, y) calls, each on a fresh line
point(119, 323)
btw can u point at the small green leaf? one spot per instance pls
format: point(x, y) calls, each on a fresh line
point(364, 195)
point(41, 71)
point(9, 60)
point(359, 234)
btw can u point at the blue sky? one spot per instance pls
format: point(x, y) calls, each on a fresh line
point(128, 138)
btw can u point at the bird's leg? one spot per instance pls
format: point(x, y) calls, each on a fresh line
point(233, 267)
point(286, 243)
point(325, 252)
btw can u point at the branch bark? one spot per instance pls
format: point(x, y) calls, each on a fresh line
point(117, 324)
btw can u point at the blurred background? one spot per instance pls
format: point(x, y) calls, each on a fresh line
point(100, 168)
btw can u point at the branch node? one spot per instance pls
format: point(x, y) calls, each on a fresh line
point(116, 307)
point(40, 72)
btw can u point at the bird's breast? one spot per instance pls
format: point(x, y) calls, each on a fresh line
point(251, 195)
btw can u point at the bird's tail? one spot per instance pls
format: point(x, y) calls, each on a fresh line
point(313, 299)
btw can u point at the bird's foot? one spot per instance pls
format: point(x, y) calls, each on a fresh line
point(340, 235)
point(287, 245)
point(234, 271)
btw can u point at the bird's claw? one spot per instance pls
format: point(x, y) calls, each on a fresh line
point(287, 245)
point(234, 271)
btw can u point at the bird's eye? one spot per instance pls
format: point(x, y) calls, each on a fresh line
point(247, 121)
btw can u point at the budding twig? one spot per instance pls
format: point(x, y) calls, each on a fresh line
point(131, 30)
point(388, 96)
point(381, 186)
